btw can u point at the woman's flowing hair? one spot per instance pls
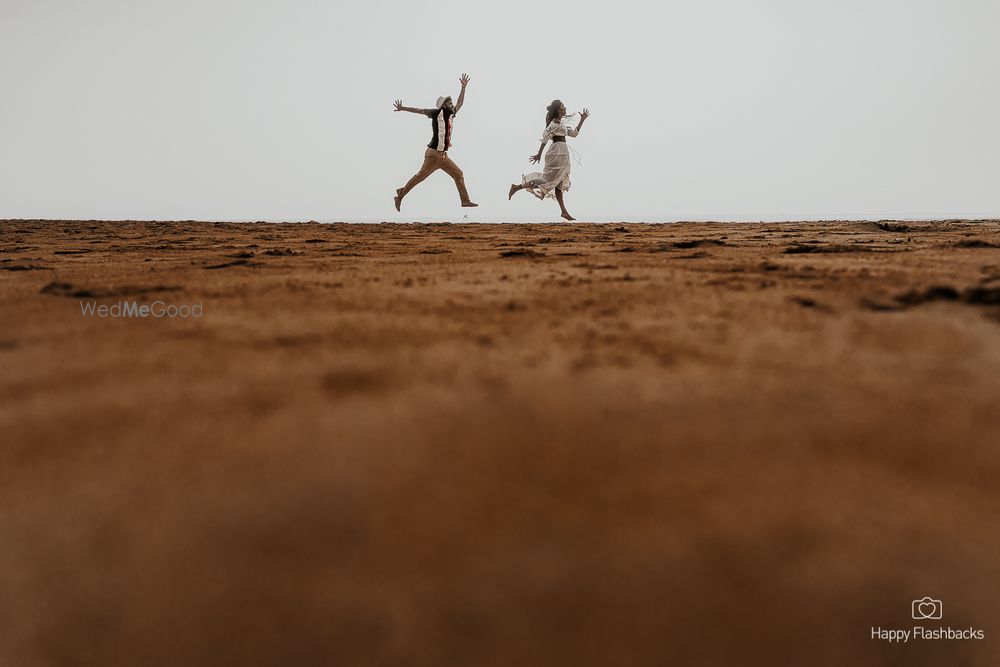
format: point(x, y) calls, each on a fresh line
point(553, 111)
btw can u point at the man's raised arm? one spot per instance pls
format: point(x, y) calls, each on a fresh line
point(464, 79)
point(399, 107)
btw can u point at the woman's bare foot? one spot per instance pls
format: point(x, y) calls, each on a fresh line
point(469, 204)
point(562, 206)
point(513, 188)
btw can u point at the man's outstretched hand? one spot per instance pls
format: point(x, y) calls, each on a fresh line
point(464, 80)
point(398, 104)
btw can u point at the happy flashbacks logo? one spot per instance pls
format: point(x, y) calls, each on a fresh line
point(926, 609)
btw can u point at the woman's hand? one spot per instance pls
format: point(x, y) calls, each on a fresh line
point(398, 104)
point(534, 159)
point(464, 80)
point(584, 114)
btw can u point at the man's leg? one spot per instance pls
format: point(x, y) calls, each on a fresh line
point(430, 165)
point(452, 170)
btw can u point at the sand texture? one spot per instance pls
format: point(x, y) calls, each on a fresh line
point(498, 445)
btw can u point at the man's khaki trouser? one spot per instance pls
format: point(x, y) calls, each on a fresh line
point(434, 160)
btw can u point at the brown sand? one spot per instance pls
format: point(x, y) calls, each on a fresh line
point(710, 444)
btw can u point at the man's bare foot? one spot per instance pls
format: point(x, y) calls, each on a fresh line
point(397, 200)
point(568, 216)
point(469, 204)
point(513, 188)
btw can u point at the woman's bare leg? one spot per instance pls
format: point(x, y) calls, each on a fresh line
point(559, 198)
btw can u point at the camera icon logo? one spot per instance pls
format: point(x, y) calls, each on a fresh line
point(927, 608)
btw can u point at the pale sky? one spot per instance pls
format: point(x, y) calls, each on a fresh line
point(701, 109)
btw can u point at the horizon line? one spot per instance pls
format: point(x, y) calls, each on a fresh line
point(652, 220)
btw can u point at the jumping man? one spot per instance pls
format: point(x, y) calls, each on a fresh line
point(436, 155)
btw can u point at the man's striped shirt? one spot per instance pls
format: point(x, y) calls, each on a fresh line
point(441, 125)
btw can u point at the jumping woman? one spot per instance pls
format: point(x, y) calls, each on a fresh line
point(553, 181)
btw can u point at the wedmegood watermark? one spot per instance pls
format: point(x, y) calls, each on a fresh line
point(134, 309)
point(926, 609)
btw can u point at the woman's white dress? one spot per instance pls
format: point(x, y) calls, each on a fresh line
point(555, 173)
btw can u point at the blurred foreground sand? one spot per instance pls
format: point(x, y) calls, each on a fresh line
point(691, 444)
